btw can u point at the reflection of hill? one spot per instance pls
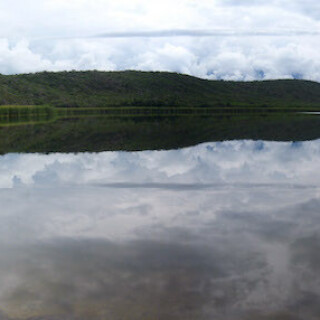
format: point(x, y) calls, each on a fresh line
point(102, 133)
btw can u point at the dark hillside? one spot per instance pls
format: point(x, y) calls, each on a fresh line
point(133, 88)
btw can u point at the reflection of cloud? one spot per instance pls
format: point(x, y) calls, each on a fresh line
point(204, 166)
point(220, 230)
point(231, 263)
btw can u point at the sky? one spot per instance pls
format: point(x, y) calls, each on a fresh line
point(215, 39)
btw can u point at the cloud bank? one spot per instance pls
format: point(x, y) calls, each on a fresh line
point(210, 39)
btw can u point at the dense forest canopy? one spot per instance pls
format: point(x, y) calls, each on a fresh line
point(134, 88)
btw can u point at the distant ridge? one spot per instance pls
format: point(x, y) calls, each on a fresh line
point(135, 88)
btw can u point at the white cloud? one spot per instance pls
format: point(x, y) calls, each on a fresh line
point(274, 39)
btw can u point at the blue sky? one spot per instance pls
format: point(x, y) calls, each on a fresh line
point(216, 39)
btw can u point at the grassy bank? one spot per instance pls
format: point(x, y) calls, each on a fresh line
point(21, 115)
point(12, 115)
point(25, 111)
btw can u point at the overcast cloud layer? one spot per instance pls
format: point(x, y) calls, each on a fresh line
point(239, 40)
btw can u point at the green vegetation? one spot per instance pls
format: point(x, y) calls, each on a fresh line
point(12, 111)
point(97, 111)
point(11, 115)
point(93, 89)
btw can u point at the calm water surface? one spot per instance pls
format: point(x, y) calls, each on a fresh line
point(225, 230)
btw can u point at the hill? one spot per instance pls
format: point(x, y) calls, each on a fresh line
point(133, 88)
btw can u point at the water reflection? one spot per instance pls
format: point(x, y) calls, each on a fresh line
point(109, 133)
point(218, 231)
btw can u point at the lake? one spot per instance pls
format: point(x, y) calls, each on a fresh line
point(47, 132)
point(221, 230)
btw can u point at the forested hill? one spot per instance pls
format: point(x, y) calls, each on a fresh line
point(133, 88)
